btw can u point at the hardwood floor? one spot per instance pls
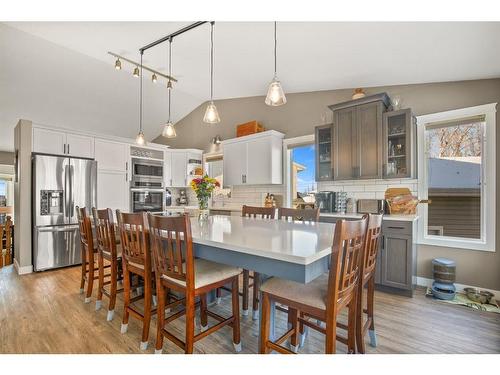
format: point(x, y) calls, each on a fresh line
point(44, 313)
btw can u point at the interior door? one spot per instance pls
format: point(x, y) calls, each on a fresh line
point(80, 146)
point(47, 141)
point(235, 163)
point(179, 169)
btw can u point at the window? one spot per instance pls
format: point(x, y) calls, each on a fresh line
point(456, 152)
point(300, 171)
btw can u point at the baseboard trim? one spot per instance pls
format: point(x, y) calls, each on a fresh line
point(423, 281)
point(22, 270)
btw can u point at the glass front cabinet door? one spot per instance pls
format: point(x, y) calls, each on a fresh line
point(323, 140)
point(399, 150)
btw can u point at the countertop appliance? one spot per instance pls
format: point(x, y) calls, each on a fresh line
point(59, 185)
point(168, 198)
point(325, 201)
point(371, 206)
point(182, 200)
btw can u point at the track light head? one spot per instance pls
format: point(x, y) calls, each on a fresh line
point(169, 84)
point(154, 78)
point(118, 64)
point(136, 72)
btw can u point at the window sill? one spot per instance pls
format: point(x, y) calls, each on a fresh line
point(456, 243)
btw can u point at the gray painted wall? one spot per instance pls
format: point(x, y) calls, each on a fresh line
point(306, 110)
point(6, 158)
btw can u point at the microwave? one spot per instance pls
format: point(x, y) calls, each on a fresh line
point(147, 173)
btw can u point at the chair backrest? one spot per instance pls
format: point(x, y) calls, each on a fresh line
point(6, 242)
point(134, 231)
point(263, 212)
point(296, 214)
point(172, 247)
point(105, 231)
point(373, 234)
point(347, 252)
point(85, 226)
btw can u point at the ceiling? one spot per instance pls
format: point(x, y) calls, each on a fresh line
point(311, 56)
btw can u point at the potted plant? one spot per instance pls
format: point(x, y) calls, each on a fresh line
point(203, 188)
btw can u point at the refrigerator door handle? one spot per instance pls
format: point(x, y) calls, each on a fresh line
point(67, 192)
point(64, 228)
point(72, 181)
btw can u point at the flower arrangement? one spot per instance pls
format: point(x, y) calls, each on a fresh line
point(203, 187)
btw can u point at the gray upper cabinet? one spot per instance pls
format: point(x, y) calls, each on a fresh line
point(323, 143)
point(357, 138)
point(398, 147)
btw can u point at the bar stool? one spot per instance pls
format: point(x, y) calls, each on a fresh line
point(177, 269)
point(109, 250)
point(136, 260)
point(263, 213)
point(6, 242)
point(367, 279)
point(88, 248)
point(323, 298)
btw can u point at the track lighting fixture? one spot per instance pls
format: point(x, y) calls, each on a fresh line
point(211, 113)
point(118, 64)
point(275, 95)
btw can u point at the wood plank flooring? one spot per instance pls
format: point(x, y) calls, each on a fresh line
point(44, 313)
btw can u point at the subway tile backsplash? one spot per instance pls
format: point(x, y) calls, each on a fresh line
point(367, 189)
point(249, 195)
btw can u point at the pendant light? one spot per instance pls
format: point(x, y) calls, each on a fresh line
point(211, 114)
point(169, 129)
point(140, 137)
point(275, 95)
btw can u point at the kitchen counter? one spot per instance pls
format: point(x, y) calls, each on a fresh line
point(359, 216)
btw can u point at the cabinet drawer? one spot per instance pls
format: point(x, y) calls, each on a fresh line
point(397, 227)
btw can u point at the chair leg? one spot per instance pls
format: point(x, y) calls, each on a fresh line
point(369, 306)
point(360, 340)
point(218, 294)
point(84, 271)
point(203, 313)
point(190, 314)
point(264, 324)
point(100, 263)
point(90, 279)
point(126, 300)
point(246, 287)
point(112, 291)
point(160, 317)
point(351, 326)
point(293, 319)
point(148, 300)
point(235, 299)
point(256, 289)
point(331, 335)
point(303, 330)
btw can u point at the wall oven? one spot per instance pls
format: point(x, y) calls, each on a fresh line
point(151, 200)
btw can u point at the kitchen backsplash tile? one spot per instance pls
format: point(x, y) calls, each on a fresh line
point(367, 189)
point(249, 195)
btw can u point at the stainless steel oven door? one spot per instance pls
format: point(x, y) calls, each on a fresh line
point(147, 200)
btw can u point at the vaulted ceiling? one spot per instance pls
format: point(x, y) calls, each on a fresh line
point(61, 74)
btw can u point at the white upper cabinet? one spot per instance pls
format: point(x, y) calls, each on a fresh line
point(180, 166)
point(167, 169)
point(48, 141)
point(254, 159)
point(178, 169)
point(111, 156)
point(55, 142)
point(80, 146)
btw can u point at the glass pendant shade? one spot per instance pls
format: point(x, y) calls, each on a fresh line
point(211, 114)
point(136, 72)
point(140, 140)
point(169, 130)
point(118, 64)
point(275, 95)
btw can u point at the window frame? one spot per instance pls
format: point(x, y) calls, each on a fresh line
point(488, 189)
point(288, 144)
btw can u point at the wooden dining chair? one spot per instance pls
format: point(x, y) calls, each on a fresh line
point(136, 260)
point(6, 242)
point(323, 298)
point(177, 269)
point(110, 252)
point(263, 213)
point(296, 214)
point(88, 250)
point(367, 279)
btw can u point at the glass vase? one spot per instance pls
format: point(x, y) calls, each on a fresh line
point(203, 207)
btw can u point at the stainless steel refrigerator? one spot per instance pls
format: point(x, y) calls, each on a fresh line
point(59, 185)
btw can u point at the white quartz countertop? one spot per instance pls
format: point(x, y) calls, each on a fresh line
point(295, 242)
point(359, 216)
